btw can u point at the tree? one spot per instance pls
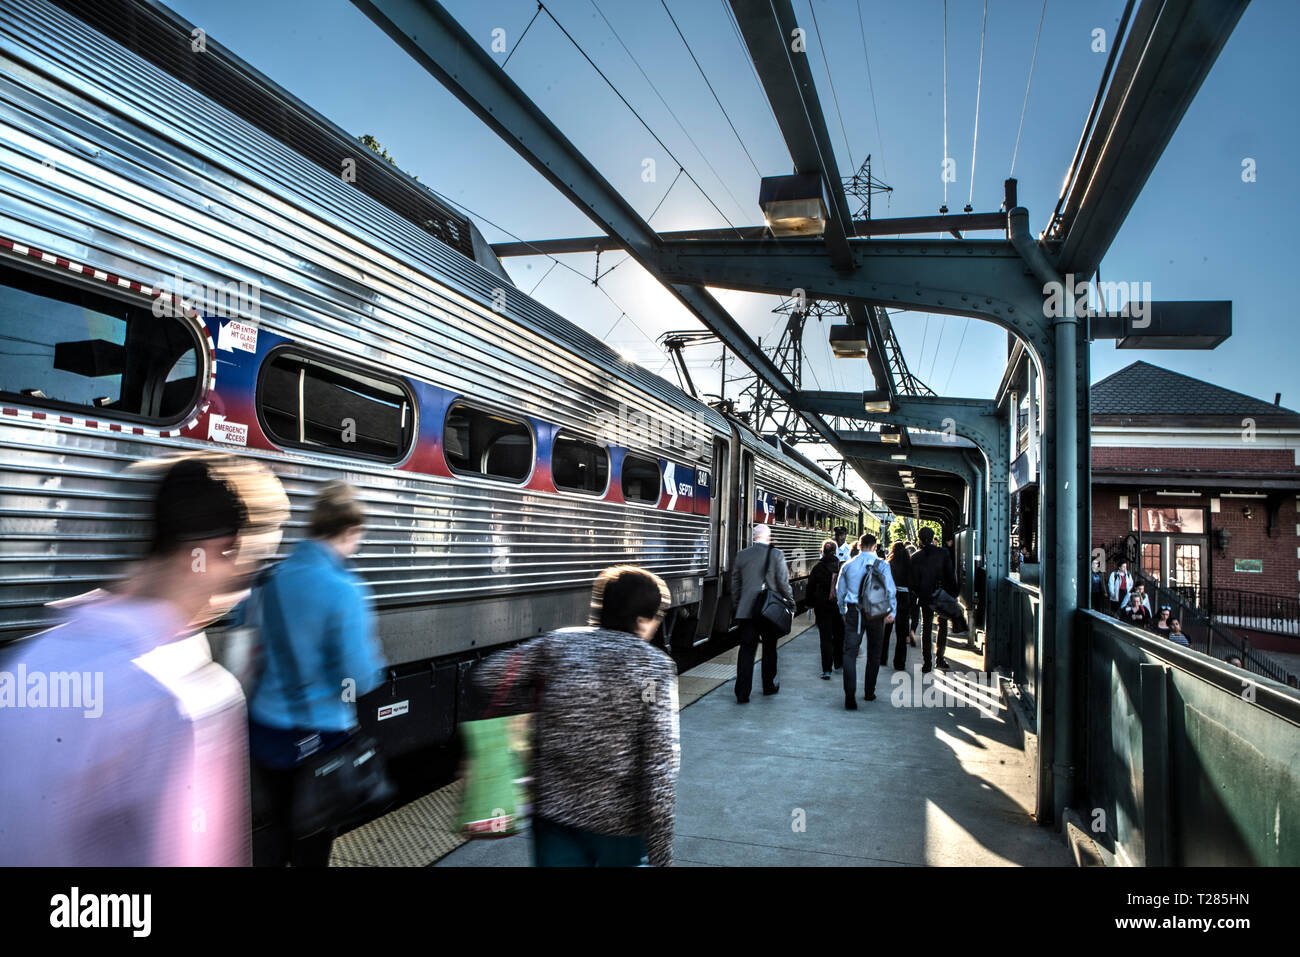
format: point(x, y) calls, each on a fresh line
point(377, 148)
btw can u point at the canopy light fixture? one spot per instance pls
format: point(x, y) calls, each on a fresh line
point(793, 205)
point(849, 342)
point(899, 456)
point(891, 434)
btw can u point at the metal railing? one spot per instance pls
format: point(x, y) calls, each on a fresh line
point(1162, 763)
point(1213, 637)
point(1243, 609)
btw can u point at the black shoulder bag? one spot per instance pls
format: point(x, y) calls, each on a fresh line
point(331, 789)
point(776, 612)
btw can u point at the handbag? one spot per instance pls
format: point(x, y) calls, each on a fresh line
point(948, 606)
point(773, 610)
point(335, 788)
point(495, 802)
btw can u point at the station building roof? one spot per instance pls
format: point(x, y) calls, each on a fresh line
point(1143, 389)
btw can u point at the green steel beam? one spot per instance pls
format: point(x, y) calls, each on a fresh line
point(433, 38)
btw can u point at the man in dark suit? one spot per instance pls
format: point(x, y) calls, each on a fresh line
point(747, 580)
point(932, 569)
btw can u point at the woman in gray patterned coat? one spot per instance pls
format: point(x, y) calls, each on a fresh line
point(606, 746)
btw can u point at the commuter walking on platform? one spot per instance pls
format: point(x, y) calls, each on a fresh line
point(843, 552)
point(1118, 587)
point(320, 654)
point(900, 566)
point(821, 595)
point(1136, 613)
point(934, 582)
point(842, 547)
point(759, 568)
point(606, 753)
point(152, 740)
point(1176, 633)
point(868, 600)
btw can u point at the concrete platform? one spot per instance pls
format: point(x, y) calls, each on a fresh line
point(796, 780)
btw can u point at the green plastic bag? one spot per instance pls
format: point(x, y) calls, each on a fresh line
point(497, 800)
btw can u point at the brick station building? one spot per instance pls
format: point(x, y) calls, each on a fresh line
point(1216, 477)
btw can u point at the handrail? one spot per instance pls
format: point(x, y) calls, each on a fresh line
point(1274, 697)
point(1189, 614)
point(1278, 613)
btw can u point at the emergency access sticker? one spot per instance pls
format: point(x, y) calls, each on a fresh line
point(219, 430)
point(393, 710)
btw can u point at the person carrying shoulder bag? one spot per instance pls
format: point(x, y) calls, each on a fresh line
point(760, 569)
point(319, 654)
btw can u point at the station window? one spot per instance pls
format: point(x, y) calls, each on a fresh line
point(67, 347)
point(310, 403)
point(478, 442)
point(780, 511)
point(640, 479)
point(578, 465)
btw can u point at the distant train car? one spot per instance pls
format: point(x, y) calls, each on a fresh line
point(191, 258)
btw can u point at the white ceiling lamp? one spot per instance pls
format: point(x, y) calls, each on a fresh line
point(793, 205)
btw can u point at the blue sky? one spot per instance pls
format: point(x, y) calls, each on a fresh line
point(1197, 232)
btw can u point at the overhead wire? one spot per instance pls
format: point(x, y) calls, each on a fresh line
point(943, 324)
point(641, 119)
point(880, 140)
point(662, 200)
point(960, 343)
point(725, 115)
point(1029, 83)
point(543, 279)
point(826, 64)
point(557, 262)
point(521, 37)
point(749, 61)
point(945, 106)
point(979, 82)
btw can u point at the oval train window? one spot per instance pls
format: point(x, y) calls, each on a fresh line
point(487, 444)
point(66, 346)
point(640, 479)
point(311, 403)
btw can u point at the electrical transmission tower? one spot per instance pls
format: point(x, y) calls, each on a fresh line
point(862, 186)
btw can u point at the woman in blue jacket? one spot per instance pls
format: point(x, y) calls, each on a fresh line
point(320, 654)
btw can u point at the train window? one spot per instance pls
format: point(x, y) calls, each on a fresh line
point(579, 466)
point(67, 347)
point(780, 511)
point(640, 479)
point(802, 519)
point(476, 442)
point(309, 403)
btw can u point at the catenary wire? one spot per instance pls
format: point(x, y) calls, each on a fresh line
point(521, 37)
point(945, 103)
point(655, 136)
point(725, 115)
point(979, 82)
point(880, 140)
point(1029, 83)
point(826, 64)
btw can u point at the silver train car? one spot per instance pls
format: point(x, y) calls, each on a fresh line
point(192, 258)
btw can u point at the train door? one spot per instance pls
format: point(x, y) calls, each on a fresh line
point(718, 508)
point(745, 500)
